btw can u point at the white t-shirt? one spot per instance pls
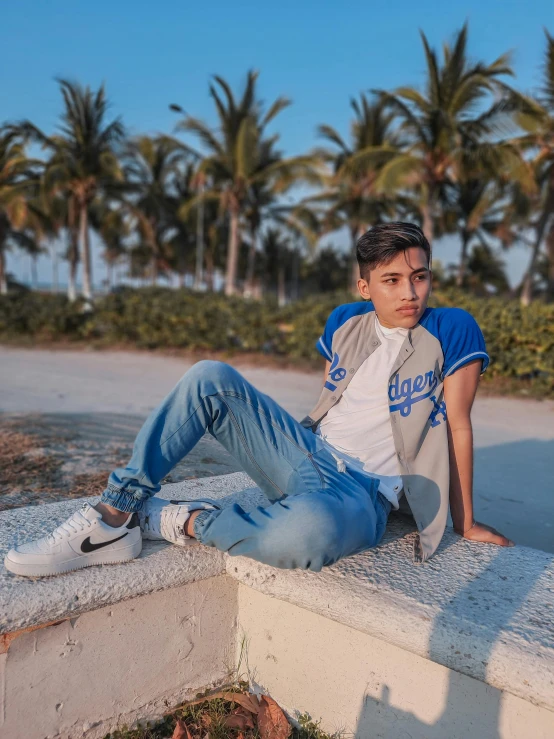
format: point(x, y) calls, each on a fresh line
point(358, 427)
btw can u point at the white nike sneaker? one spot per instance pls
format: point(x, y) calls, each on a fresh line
point(81, 541)
point(165, 519)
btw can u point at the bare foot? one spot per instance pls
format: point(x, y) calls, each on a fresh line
point(189, 526)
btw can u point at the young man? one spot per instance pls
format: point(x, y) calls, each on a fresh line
point(379, 431)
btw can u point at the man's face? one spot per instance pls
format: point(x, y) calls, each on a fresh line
point(399, 290)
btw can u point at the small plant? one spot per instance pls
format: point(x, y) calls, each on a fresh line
point(230, 714)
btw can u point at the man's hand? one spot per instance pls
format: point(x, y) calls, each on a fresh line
point(459, 393)
point(486, 534)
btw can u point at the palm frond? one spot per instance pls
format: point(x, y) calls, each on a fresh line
point(280, 104)
point(395, 173)
point(329, 133)
point(206, 136)
point(433, 80)
point(246, 148)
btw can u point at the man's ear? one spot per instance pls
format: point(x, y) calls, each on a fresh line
point(363, 289)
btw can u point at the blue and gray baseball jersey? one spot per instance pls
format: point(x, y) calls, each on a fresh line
point(444, 340)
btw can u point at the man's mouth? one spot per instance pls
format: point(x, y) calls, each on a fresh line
point(408, 311)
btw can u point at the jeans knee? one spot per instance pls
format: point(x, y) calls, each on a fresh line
point(310, 541)
point(211, 374)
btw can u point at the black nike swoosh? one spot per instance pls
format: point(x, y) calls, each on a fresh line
point(87, 546)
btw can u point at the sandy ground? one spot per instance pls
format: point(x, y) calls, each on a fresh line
point(83, 409)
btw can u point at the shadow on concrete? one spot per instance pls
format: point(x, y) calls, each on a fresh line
point(507, 473)
point(514, 490)
point(468, 709)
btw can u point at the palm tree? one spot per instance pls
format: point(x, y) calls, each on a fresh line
point(486, 269)
point(187, 185)
point(84, 157)
point(260, 201)
point(431, 123)
point(111, 221)
point(235, 162)
point(42, 225)
point(18, 179)
point(278, 260)
point(153, 168)
point(477, 198)
point(550, 265)
point(537, 117)
point(351, 196)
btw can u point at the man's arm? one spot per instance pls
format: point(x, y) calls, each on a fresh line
point(459, 394)
point(327, 368)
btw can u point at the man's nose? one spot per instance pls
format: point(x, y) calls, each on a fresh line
point(409, 291)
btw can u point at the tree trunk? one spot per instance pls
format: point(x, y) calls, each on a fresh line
point(85, 253)
point(462, 269)
point(550, 252)
point(34, 275)
point(210, 269)
point(72, 281)
point(527, 285)
point(249, 282)
point(154, 270)
point(281, 293)
point(73, 265)
point(355, 268)
point(232, 254)
point(295, 274)
point(199, 267)
point(427, 224)
point(54, 255)
point(3, 276)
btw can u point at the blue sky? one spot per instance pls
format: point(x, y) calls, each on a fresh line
point(320, 54)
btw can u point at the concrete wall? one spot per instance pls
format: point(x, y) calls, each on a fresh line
point(369, 688)
point(128, 661)
point(374, 645)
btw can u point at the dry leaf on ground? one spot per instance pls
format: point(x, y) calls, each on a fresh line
point(246, 700)
point(241, 721)
point(181, 731)
point(272, 722)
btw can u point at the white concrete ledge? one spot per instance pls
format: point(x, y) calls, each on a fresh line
point(482, 611)
point(478, 610)
point(27, 602)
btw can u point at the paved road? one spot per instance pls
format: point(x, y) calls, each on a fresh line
point(105, 395)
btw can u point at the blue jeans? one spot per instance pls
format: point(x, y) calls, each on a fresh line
point(318, 514)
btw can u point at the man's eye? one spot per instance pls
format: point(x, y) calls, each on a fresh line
point(421, 278)
point(391, 281)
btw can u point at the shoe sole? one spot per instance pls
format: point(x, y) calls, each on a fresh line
point(109, 557)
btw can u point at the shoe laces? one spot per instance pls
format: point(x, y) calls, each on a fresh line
point(75, 523)
point(170, 526)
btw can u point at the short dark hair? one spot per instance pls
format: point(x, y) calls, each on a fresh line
point(382, 243)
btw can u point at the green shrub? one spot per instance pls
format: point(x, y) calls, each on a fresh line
point(43, 317)
point(520, 340)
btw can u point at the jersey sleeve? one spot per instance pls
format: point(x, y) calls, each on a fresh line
point(325, 341)
point(462, 341)
point(336, 319)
